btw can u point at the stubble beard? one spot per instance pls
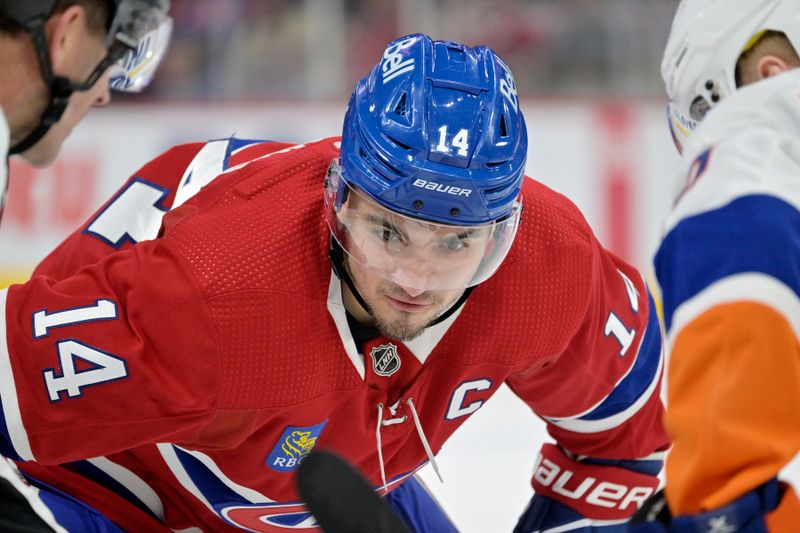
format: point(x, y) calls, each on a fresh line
point(400, 330)
point(402, 325)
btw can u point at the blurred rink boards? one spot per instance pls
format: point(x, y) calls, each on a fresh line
point(616, 162)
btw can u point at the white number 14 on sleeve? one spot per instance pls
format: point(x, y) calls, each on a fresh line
point(99, 366)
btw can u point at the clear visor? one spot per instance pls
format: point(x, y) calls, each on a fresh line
point(413, 253)
point(135, 69)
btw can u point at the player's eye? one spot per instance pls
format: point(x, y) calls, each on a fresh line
point(387, 233)
point(455, 243)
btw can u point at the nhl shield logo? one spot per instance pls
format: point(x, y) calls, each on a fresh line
point(385, 360)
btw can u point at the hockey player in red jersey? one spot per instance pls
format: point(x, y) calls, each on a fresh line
point(238, 304)
point(727, 266)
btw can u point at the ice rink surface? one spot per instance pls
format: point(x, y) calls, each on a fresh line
point(487, 465)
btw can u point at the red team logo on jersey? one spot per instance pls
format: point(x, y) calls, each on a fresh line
point(275, 518)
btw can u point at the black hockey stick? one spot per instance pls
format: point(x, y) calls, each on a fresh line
point(341, 499)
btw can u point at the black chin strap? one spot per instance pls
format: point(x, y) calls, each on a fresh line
point(336, 256)
point(60, 89)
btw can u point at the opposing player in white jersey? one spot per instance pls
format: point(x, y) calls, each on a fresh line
point(238, 304)
point(729, 267)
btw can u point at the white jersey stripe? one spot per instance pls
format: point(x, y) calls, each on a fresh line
point(132, 482)
point(171, 459)
point(249, 494)
point(168, 452)
point(604, 424)
point(751, 286)
point(8, 391)
point(206, 165)
point(337, 312)
point(791, 473)
point(422, 346)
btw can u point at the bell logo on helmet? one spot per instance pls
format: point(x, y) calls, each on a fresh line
point(393, 64)
point(508, 88)
point(438, 187)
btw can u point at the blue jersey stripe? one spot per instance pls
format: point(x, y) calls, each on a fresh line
point(221, 497)
point(756, 233)
point(419, 509)
point(235, 144)
point(644, 371)
point(71, 513)
point(89, 471)
point(6, 448)
point(650, 467)
point(209, 484)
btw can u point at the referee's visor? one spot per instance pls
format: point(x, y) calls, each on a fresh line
point(137, 42)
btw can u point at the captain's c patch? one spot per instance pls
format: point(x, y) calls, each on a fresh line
point(295, 443)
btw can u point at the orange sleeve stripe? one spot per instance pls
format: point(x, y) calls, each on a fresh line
point(733, 403)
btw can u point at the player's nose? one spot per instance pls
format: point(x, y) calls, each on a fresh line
point(411, 291)
point(414, 277)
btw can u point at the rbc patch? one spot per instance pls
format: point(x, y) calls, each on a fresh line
point(295, 443)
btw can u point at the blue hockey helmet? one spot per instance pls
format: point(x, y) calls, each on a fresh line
point(434, 134)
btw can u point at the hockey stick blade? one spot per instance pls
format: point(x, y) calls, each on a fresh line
point(341, 499)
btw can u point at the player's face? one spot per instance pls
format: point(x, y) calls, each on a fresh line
point(398, 312)
point(76, 63)
point(417, 255)
point(408, 271)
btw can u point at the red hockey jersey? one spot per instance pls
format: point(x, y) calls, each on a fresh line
point(175, 368)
